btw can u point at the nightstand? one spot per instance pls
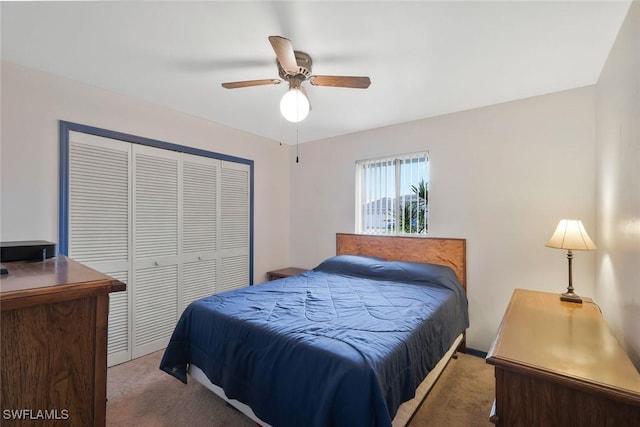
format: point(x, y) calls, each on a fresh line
point(285, 272)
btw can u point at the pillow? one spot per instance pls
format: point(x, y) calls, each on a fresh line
point(350, 265)
point(422, 273)
point(394, 271)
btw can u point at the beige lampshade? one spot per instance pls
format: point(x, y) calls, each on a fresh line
point(570, 234)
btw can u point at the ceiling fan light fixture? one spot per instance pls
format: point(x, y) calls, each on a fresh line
point(294, 105)
point(294, 67)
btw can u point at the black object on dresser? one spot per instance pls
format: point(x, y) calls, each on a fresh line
point(31, 250)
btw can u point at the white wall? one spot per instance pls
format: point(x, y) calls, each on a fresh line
point(618, 189)
point(501, 177)
point(32, 104)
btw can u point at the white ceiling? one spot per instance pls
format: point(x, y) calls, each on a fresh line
point(424, 58)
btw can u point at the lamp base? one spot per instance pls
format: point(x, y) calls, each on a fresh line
point(571, 297)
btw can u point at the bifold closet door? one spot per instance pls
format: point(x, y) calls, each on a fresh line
point(234, 226)
point(200, 218)
point(99, 224)
point(174, 226)
point(156, 219)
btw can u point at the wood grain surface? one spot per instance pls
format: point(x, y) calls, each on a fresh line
point(58, 278)
point(54, 342)
point(558, 363)
point(48, 359)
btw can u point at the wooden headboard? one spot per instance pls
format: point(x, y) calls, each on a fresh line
point(449, 252)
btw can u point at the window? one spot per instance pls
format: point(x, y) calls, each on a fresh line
point(392, 195)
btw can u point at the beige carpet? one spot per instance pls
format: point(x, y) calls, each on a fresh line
point(139, 394)
point(462, 396)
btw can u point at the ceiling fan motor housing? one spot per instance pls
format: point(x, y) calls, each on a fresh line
point(304, 67)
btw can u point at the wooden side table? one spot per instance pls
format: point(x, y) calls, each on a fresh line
point(285, 272)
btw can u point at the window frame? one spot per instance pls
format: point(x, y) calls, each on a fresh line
point(364, 208)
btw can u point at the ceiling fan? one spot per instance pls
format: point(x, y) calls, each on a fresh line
point(294, 67)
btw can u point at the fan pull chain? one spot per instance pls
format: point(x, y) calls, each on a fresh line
point(297, 130)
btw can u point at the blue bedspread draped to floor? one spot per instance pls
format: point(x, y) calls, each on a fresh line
point(342, 345)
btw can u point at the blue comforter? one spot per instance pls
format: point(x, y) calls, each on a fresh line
point(342, 345)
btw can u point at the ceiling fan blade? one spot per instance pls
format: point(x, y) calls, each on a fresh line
point(341, 81)
point(284, 53)
point(248, 83)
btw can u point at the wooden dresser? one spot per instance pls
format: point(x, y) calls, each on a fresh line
point(54, 343)
point(558, 364)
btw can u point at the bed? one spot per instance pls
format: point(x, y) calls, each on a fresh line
point(357, 341)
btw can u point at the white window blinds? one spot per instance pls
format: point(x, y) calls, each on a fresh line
point(392, 195)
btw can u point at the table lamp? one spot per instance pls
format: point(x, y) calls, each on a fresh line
point(571, 235)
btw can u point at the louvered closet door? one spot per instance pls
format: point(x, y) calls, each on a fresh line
point(173, 226)
point(234, 226)
point(99, 222)
point(156, 218)
point(200, 216)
